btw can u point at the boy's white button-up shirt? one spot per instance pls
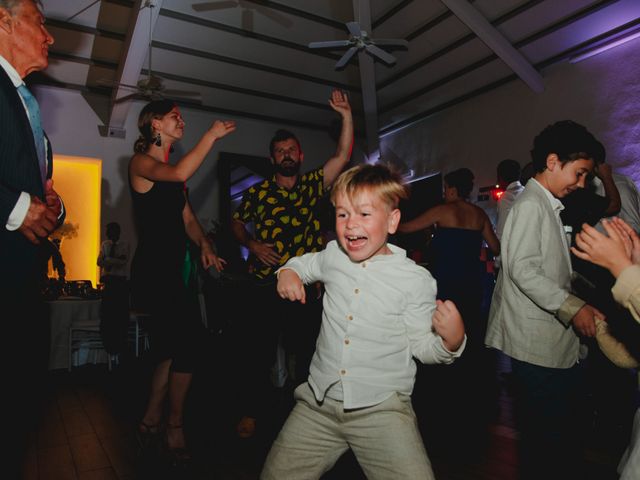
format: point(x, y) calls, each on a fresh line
point(376, 317)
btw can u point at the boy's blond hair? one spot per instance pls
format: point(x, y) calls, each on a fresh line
point(378, 179)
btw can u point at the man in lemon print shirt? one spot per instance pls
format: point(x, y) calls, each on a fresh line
point(283, 212)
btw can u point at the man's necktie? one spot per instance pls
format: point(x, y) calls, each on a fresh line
point(36, 127)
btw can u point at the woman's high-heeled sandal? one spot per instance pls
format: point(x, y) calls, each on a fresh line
point(179, 456)
point(148, 436)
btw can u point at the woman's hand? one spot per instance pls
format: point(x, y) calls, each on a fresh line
point(220, 128)
point(210, 259)
point(612, 252)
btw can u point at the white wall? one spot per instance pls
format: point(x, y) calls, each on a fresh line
point(602, 93)
point(72, 127)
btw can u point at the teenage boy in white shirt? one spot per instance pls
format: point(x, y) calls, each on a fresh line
point(379, 311)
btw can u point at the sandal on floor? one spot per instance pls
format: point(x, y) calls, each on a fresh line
point(178, 456)
point(148, 436)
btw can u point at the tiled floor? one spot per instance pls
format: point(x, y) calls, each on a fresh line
point(88, 433)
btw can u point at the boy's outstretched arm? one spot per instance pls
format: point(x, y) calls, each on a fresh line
point(290, 286)
point(447, 322)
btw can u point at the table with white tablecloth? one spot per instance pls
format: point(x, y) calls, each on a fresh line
point(63, 312)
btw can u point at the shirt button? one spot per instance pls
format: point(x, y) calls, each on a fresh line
point(364, 265)
point(346, 341)
point(357, 290)
point(343, 372)
point(349, 317)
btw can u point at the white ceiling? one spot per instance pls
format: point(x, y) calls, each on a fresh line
point(249, 58)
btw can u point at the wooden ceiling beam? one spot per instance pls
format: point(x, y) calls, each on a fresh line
point(136, 47)
point(486, 32)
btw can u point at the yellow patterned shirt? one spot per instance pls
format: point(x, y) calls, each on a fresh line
point(286, 218)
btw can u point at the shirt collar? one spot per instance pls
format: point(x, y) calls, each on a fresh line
point(13, 74)
point(514, 186)
point(556, 204)
point(397, 253)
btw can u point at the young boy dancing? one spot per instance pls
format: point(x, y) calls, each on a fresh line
point(379, 311)
point(534, 319)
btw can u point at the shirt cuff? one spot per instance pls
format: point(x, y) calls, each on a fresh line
point(569, 308)
point(61, 208)
point(626, 284)
point(19, 212)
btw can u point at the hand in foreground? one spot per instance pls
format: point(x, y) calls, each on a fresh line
point(340, 102)
point(612, 252)
point(265, 253)
point(52, 199)
point(220, 128)
point(210, 259)
point(290, 286)
point(632, 240)
point(39, 222)
point(584, 321)
point(447, 322)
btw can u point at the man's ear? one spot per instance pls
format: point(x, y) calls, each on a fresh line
point(301, 156)
point(552, 161)
point(6, 20)
point(394, 221)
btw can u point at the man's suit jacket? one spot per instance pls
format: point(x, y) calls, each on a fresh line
point(19, 172)
point(532, 308)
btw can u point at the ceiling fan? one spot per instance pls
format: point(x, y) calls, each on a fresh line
point(150, 87)
point(360, 40)
point(367, 48)
point(248, 7)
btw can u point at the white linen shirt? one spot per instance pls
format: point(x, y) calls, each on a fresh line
point(376, 317)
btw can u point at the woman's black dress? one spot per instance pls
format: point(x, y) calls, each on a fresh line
point(156, 275)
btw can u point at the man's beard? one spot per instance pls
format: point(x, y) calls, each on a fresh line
point(288, 168)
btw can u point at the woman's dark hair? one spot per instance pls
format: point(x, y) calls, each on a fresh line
point(462, 180)
point(152, 110)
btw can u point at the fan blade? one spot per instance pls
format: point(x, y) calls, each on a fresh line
point(273, 15)
point(113, 84)
point(330, 44)
point(369, 101)
point(354, 29)
point(346, 57)
point(391, 42)
point(381, 54)
point(209, 6)
point(81, 11)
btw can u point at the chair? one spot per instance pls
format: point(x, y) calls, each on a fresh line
point(137, 333)
point(86, 333)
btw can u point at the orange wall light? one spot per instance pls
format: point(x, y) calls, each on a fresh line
point(78, 180)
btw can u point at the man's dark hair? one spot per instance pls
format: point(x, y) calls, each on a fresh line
point(600, 153)
point(567, 139)
point(508, 170)
point(280, 136)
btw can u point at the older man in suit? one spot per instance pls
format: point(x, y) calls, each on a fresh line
point(30, 210)
point(534, 319)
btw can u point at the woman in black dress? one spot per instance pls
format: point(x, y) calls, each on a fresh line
point(165, 222)
point(454, 261)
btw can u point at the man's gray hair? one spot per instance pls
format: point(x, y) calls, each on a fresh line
point(12, 5)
